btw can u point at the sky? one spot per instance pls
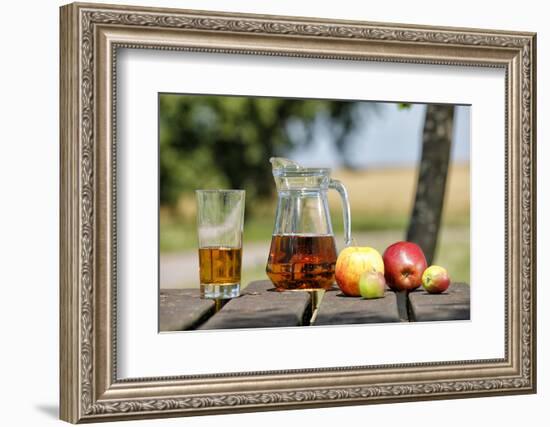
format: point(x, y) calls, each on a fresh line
point(388, 137)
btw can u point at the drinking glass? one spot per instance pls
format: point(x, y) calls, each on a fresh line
point(220, 217)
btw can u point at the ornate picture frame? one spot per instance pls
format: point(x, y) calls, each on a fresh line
point(90, 36)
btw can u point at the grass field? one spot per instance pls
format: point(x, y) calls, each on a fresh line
point(381, 201)
point(389, 193)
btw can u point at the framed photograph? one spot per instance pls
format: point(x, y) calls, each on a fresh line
point(266, 212)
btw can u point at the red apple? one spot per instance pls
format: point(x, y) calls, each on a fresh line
point(404, 263)
point(352, 262)
point(435, 279)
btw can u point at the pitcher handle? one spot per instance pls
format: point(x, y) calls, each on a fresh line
point(338, 186)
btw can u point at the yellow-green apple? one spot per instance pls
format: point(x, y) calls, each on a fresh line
point(435, 279)
point(372, 285)
point(404, 263)
point(351, 263)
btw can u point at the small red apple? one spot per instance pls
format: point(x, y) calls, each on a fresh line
point(372, 285)
point(404, 263)
point(435, 279)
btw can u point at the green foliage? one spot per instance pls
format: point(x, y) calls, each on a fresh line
point(226, 141)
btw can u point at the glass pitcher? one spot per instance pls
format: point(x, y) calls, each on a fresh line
point(303, 252)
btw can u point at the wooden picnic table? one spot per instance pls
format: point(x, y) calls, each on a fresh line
point(261, 306)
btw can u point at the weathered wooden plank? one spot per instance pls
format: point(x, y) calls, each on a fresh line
point(258, 286)
point(260, 306)
point(182, 309)
point(338, 309)
point(453, 304)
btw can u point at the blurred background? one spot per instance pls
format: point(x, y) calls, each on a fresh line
point(377, 149)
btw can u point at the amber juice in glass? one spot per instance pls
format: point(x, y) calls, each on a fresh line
point(220, 216)
point(220, 266)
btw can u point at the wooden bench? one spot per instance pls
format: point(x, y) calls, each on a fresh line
point(338, 309)
point(454, 304)
point(261, 306)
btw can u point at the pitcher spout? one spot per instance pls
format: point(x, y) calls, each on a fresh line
point(278, 163)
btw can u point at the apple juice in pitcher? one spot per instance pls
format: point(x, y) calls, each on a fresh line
point(303, 251)
point(301, 261)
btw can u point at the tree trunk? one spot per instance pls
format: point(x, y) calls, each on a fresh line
point(432, 176)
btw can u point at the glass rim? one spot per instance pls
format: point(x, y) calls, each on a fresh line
point(219, 191)
point(302, 172)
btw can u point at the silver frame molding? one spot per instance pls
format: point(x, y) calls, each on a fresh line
point(90, 37)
